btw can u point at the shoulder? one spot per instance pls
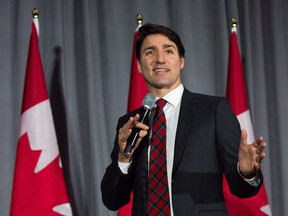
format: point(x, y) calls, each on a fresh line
point(205, 104)
point(198, 98)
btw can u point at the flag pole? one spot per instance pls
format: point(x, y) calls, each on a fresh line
point(35, 13)
point(35, 16)
point(233, 22)
point(139, 20)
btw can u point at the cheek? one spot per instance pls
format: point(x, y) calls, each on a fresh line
point(177, 66)
point(145, 66)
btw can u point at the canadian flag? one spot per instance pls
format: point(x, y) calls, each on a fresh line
point(237, 96)
point(137, 90)
point(38, 187)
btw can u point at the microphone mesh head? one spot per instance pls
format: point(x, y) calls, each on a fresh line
point(149, 101)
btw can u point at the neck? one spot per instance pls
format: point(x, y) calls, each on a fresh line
point(159, 93)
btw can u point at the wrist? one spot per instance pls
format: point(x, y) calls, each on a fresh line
point(246, 175)
point(123, 158)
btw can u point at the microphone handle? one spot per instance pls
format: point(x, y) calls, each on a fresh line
point(144, 113)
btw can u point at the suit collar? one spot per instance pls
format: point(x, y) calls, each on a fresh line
point(174, 97)
point(184, 127)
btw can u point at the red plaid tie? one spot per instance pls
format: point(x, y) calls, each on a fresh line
point(158, 202)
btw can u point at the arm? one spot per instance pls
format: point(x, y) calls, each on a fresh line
point(116, 186)
point(229, 138)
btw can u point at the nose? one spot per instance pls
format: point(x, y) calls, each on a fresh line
point(160, 58)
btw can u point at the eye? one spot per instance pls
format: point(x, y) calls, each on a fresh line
point(169, 51)
point(148, 52)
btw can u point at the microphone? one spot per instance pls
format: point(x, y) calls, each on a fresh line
point(147, 104)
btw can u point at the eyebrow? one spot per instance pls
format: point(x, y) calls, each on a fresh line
point(169, 46)
point(164, 46)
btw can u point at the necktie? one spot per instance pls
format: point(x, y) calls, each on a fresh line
point(158, 202)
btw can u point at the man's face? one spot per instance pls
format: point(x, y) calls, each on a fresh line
point(160, 63)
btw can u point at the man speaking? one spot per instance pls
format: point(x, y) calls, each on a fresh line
point(188, 142)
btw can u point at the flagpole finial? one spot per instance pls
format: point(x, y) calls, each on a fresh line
point(233, 22)
point(35, 13)
point(139, 19)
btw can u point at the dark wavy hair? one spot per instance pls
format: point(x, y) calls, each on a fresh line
point(149, 29)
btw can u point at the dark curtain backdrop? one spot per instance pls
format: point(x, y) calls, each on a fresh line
point(86, 51)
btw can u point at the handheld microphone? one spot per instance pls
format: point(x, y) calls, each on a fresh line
point(147, 105)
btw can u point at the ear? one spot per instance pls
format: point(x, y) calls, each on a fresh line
point(139, 66)
point(182, 62)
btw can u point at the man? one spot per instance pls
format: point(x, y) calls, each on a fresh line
point(203, 142)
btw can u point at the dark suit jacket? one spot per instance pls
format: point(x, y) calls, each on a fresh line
point(206, 147)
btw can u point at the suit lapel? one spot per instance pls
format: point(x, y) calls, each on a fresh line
point(183, 128)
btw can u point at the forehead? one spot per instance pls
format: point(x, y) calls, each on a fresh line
point(157, 40)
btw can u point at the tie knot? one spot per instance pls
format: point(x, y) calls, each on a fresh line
point(161, 102)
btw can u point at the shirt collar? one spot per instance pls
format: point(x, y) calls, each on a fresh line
point(174, 96)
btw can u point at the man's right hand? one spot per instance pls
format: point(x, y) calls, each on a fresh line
point(124, 134)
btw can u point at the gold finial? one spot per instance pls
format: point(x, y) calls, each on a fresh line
point(139, 19)
point(35, 13)
point(233, 22)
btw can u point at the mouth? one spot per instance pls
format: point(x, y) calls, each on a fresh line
point(160, 70)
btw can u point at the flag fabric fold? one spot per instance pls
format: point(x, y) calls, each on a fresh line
point(38, 187)
point(237, 97)
point(137, 91)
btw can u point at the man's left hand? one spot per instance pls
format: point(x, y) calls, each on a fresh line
point(250, 155)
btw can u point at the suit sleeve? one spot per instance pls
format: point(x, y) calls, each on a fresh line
point(228, 140)
point(116, 186)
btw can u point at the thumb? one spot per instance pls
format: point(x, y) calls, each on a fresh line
point(243, 137)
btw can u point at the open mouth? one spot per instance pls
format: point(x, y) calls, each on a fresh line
point(160, 70)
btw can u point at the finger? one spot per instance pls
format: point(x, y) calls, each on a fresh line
point(125, 131)
point(258, 142)
point(259, 139)
point(128, 124)
point(141, 126)
point(260, 147)
point(138, 124)
point(136, 117)
point(127, 128)
point(123, 135)
point(142, 134)
point(262, 156)
point(243, 137)
point(259, 159)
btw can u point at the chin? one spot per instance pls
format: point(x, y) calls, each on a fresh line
point(161, 86)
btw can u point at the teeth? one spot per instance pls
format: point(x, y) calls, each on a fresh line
point(161, 69)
